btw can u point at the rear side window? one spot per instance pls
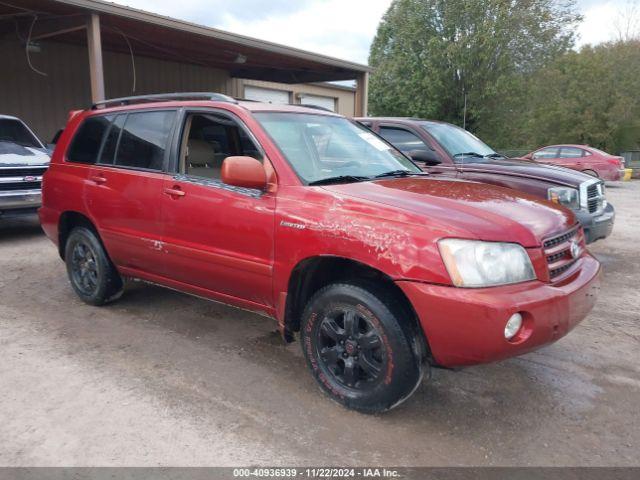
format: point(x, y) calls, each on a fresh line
point(570, 152)
point(108, 153)
point(144, 138)
point(88, 139)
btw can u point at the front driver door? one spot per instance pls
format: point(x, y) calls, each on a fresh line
point(217, 239)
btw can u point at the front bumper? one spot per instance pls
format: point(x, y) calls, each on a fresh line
point(466, 326)
point(597, 227)
point(15, 201)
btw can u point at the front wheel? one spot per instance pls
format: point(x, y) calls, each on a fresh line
point(92, 275)
point(359, 348)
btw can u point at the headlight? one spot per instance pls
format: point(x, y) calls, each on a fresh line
point(473, 263)
point(569, 197)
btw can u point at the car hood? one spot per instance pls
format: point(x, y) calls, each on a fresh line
point(14, 155)
point(527, 169)
point(471, 209)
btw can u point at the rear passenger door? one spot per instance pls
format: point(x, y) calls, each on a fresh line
point(217, 238)
point(125, 186)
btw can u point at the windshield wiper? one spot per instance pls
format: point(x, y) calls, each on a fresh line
point(339, 179)
point(398, 173)
point(495, 155)
point(469, 154)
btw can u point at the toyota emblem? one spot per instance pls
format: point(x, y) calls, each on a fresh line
point(29, 178)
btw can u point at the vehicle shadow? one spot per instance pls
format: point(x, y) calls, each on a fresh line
point(475, 401)
point(23, 228)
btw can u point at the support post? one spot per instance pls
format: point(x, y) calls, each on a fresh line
point(362, 94)
point(94, 44)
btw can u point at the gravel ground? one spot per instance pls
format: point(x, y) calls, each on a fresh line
point(161, 378)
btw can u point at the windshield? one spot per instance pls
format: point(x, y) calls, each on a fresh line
point(458, 142)
point(321, 147)
point(14, 131)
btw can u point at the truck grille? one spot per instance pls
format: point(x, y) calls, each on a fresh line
point(21, 178)
point(595, 197)
point(22, 171)
point(20, 186)
point(558, 252)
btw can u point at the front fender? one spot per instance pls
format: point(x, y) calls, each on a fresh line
point(311, 224)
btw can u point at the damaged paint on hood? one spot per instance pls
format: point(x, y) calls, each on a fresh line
point(484, 212)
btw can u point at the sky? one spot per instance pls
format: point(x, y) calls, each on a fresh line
point(339, 28)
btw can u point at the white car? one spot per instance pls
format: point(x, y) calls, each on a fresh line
point(23, 160)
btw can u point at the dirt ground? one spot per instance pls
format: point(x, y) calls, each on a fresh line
point(161, 378)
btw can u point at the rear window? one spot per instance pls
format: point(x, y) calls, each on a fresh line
point(88, 139)
point(144, 138)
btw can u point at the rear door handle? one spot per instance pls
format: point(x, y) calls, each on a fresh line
point(174, 192)
point(98, 179)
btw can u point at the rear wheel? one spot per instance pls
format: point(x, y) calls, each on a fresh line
point(359, 348)
point(92, 275)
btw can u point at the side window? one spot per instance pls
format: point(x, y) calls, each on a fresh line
point(546, 153)
point(144, 139)
point(208, 139)
point(570, 152)
point(402, 139)
point(108, 153)
point(88, 139)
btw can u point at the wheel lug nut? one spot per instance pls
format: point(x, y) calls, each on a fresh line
point(345, 355)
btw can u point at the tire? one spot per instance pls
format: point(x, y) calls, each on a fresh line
point(93, 276)
point(374, 368)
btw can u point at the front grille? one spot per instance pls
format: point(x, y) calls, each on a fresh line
point(20, 186)
point(595, 197)
point(22, 171)
point(558, 252)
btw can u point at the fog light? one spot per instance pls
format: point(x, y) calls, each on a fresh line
point(512, 326)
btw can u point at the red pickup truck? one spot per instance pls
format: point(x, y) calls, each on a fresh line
point(310, 218)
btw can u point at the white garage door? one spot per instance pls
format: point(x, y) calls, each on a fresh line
point(266, 95)
point(326, 102)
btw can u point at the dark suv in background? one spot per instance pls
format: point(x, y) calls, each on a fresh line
point(447, 150)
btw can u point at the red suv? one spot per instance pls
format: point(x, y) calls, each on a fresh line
point(310, 218)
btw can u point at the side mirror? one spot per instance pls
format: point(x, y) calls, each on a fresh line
point(244, 172)
point(428, 157)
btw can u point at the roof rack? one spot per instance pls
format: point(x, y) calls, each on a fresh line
point(163, 97)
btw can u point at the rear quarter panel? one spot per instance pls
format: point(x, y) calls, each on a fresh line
point(63, 184)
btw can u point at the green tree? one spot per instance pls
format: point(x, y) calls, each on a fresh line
point(429, 54)
point(587, 97)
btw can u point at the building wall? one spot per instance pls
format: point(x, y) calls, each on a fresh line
point(345, 97)
point(43, 102)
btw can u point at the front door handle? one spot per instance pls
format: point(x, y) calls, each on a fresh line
point(99, 179)
point(174, 192)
